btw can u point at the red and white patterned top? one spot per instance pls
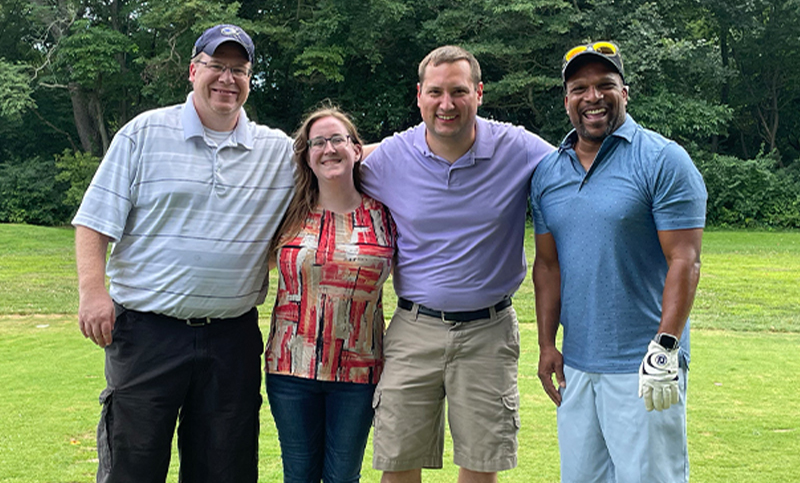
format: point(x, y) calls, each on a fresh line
point(327, 323)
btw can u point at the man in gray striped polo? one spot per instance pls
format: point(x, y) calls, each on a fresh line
point(189, 196)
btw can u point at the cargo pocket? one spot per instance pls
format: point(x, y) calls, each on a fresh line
point(104, 430)
point(511, 405)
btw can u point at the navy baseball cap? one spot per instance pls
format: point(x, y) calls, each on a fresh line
point(604, 51)
point(219, 34)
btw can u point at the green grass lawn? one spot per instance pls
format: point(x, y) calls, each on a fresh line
point(744, 413)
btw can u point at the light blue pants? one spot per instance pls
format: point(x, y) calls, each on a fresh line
point(606, 435)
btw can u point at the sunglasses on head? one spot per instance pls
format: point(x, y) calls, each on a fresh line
point(603, 47)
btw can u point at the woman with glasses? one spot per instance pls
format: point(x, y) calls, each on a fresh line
point(324, 354)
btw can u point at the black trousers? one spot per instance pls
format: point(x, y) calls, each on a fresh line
point(160, 371)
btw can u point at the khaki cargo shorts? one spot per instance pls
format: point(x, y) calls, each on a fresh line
point(471, 365)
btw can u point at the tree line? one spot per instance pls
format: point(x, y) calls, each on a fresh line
point(721, 77)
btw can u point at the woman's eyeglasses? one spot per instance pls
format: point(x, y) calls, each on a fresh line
point(319, 142)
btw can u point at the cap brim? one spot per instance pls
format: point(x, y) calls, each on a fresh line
point(584, 58)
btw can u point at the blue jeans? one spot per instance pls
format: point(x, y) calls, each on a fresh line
point(322, 427)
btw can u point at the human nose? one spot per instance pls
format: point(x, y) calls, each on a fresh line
point(593, 93)
point(227, 74)
point(447, 101)
point(329, 146)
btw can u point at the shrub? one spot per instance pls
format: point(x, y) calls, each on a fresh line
point(77, 169)
point(749, 193)
point(30, 193)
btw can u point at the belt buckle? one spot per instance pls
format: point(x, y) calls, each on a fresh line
point(202, 321)
point(445, 320)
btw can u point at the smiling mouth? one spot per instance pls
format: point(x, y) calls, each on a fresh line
point(596, 111)
point(225, 92)
point(445, 118)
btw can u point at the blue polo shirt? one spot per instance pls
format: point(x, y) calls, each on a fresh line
point(460, 226)
point(605, 223)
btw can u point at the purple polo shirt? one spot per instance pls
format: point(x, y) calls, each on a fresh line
point(460, 226)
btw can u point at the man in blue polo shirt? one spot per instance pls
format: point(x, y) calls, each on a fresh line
point(190, 196)
point(457, 187)
point(619, 214)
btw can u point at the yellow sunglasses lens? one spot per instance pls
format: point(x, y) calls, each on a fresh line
point(575, 51)
point(605, 48)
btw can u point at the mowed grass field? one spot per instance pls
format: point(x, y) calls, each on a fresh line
point(744, 411)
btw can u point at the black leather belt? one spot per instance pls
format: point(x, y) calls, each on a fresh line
point(197, 322)
point(455, 316)
point(203, 321)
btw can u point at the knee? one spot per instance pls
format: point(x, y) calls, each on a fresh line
point(407, 476)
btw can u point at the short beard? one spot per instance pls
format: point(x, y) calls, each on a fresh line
point(583, 132)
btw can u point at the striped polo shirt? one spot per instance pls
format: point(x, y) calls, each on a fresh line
point(190, 220)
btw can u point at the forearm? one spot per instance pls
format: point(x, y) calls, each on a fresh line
point(367, 149)
point(96, 309)
point(547, 287)
point(682, 251)
point(679, 292)
point(90, 254)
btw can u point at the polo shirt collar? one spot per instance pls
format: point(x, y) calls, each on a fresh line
point(192, 126)
point(484, 141)
point(626, 132)
point(483, 147)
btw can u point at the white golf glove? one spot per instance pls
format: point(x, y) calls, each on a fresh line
point(658, 377)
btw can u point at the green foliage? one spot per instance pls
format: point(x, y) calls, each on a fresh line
point(77, 169)
point(764, 93)
point(750, 192)
point(711, 74)
point(15, 90)
point(320, 64)
point(29, 193)
point(678, 117)
point(91, 53)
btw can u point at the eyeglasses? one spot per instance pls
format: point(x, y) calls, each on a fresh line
point(239, 72)
point(605, 48)
point(319, 142)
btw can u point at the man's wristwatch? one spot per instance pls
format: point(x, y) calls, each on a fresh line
point(667, 341)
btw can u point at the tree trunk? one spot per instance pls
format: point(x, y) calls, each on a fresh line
point(725, 89)
point(100, 121)
point(84, 122)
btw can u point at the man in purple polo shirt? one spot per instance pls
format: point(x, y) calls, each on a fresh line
point(457, 186)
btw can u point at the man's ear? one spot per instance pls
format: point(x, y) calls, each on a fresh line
point(192, 71)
